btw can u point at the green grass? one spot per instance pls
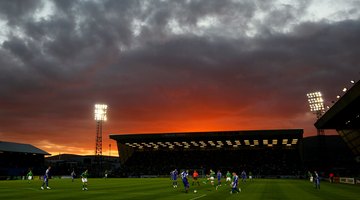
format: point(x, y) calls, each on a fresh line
point(160, 188)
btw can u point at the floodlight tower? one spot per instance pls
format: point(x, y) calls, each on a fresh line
point(316, 104)
point(100, 116)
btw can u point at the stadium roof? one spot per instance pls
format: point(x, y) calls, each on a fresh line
point(214, 139)
point(21, 148)
point(345, 113)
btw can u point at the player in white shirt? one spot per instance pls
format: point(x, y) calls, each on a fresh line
point(46, 179)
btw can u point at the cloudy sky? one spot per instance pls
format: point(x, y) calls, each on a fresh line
point(168, 66)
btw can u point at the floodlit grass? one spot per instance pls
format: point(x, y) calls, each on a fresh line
point(160, 188)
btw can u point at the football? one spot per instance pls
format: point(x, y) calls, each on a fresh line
point(195, 191)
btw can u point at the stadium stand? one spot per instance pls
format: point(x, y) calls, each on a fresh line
point(17, 158)
point(344, 117)
point(64, 164)
point(269, 153)
point(333, 156)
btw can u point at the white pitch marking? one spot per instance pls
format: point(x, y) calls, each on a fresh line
point(199, 197)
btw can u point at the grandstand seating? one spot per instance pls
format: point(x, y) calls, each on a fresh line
point(261, 162)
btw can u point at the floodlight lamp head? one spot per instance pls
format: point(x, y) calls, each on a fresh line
point(100, 112)
point(314, 95)
point(316, 102)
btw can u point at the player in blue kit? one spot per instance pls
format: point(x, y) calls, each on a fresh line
point(243, 176)
point(317, 180)
point(73, 175)
point(234, 184)
point(173, 176)
point(218, 175)
point(185, 181)
point(46, 179)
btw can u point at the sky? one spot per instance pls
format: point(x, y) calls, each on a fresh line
point(168, 66)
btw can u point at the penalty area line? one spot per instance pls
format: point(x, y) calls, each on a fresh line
point(32, 189)
point(199, 197)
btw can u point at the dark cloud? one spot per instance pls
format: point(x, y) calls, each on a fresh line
point(159, 69)
point(16, 11)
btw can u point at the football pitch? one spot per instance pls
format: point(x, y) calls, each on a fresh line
point(161, 188)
